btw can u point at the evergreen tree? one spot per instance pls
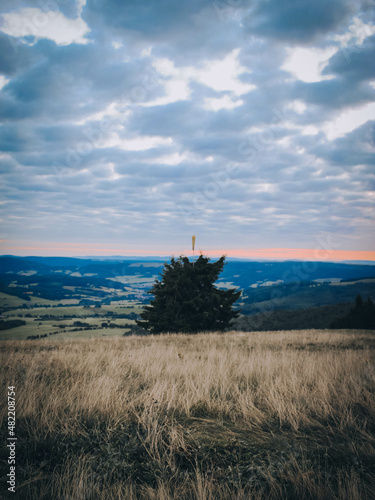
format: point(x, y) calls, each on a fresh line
point(358, 302)
point(186, 300)
point(362, 315)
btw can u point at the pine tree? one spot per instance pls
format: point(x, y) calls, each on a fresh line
point(186, 300)
point(358, 301)
point(361, 316)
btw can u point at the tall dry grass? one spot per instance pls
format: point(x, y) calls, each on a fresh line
point(234, 415)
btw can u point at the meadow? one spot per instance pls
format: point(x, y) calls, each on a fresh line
point(271, 415)
point(50, 318)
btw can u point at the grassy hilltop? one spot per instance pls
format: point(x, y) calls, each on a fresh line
point(209, 416)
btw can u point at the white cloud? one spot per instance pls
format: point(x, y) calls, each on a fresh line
point(40, 24)
point(307, 64)
point(3, 81)
point(146, 52)
point(114, 111)
point(285, 141)
point(165, 67)
point(221, 75)
point(310, 130)
point(171, 159)
point(358, 32)
point(142, 143)
point(80, 5)
point(177, 158)
point(175, 90)
point(225, 102)
point(117, 45)
point(264, 187)
point(348, 121)
point(113, 175)
point(297, 106)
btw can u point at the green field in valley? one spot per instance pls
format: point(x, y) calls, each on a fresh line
point(65, 322)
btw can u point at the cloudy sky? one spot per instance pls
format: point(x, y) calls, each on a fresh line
point(129, 125)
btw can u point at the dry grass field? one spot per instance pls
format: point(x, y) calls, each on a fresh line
point(271, 415)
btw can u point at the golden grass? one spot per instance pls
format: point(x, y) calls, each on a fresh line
point(234, 415)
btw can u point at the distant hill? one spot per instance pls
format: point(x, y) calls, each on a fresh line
point(245, 274)
point(288, 285)
point(100, 268)
point(361, 262)
point(59, 262)
point(239, 273)
point(8, 264)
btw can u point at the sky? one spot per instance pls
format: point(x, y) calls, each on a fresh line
point(129, 126)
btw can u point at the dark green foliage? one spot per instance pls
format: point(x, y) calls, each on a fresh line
point(15, 291)
point(358, 302)
point(362, 315)
point(302, 295)
point(186, 300)
point(291, 319)
point(12, 323)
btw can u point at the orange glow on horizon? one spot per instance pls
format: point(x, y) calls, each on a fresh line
point(84, 250)
point(301, 254)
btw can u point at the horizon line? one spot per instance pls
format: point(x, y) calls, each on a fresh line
point(303, 254)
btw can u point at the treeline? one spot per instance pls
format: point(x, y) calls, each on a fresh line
point(361, 316)
point(12, 323)
point(297, 319)
point(337, 316)
point(106, 314)
point(301, 295)
point(15, 291)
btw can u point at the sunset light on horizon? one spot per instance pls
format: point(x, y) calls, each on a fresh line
point(320, 253)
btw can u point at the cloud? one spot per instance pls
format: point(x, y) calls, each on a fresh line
point(15, 57)
point(253, 124)
point(355, 63)
point(219, 75)
point(349, 121)
point(307, 64)
point(136, 144)
point(38, 23)
point(297, 20)
point(153, 21)
point(356, 34)
point(225, 102)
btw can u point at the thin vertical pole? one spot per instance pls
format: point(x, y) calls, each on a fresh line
point(193, 245)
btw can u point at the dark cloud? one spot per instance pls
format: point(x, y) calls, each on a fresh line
point(333, 94)
point(356, 148)
point(153, 20)
point(297, 20)
point(73, 81)
point(14, 57)
point(355, 63)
